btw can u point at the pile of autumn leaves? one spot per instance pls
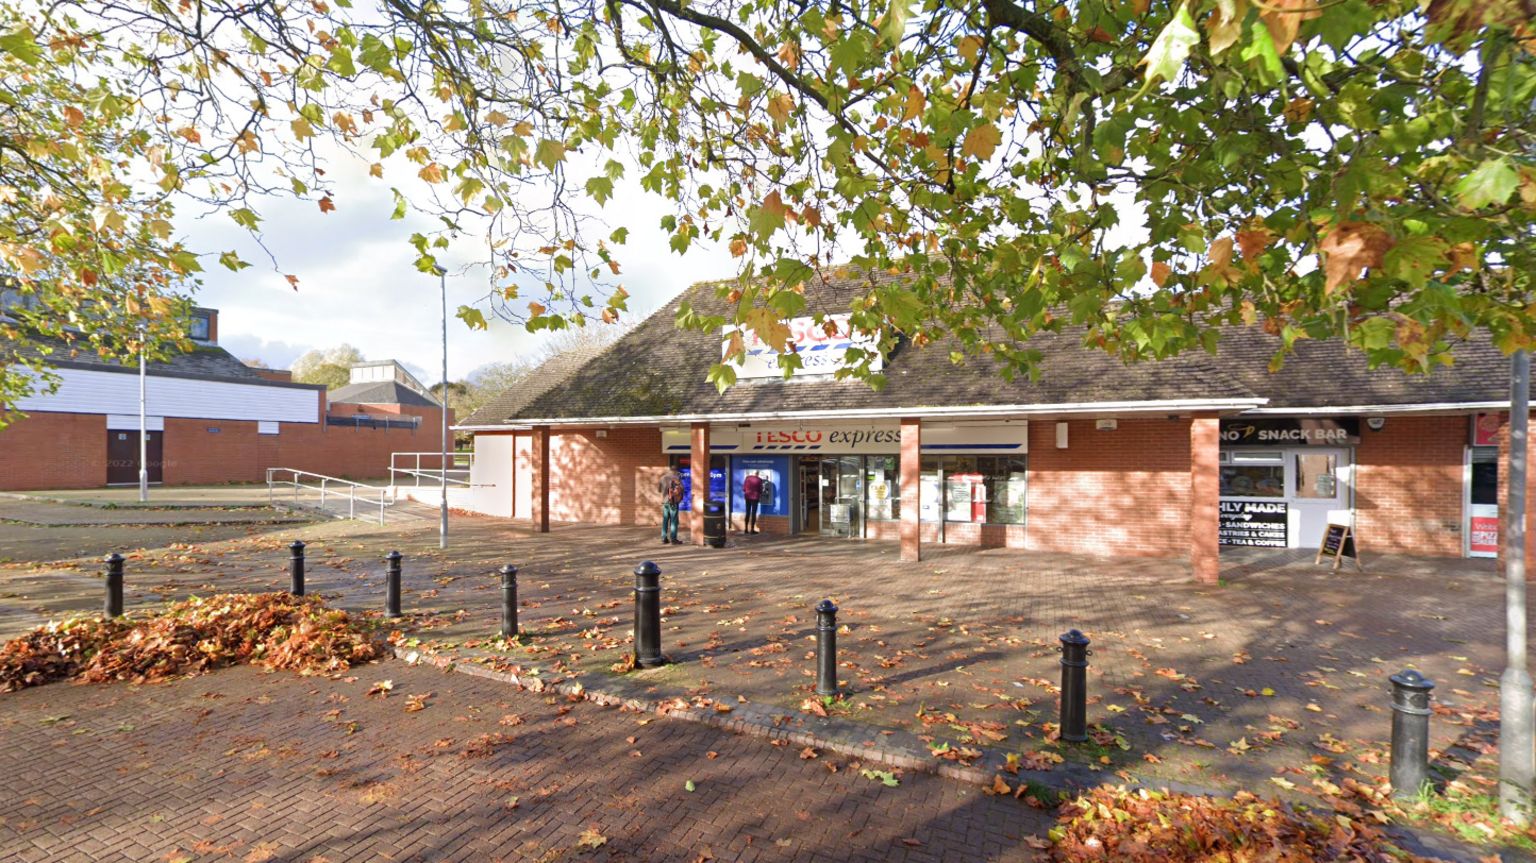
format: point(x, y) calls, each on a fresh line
point(1143, 826)
point(273, 630)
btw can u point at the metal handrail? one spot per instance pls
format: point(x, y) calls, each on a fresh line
point(453, 475)
point(352, 488)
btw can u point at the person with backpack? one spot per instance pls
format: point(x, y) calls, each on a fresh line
point(752, 493)
point(671, 488)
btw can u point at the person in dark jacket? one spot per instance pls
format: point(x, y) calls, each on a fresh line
point(671, 488)
point(752, 493)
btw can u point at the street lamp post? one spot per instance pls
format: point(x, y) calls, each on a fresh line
point(442, 527)
point(1517, 762)
point(143, 420)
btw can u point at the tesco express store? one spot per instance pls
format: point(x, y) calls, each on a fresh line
point(1171, 459)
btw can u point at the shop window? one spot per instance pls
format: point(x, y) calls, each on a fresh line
point(965, 490)
point(1253, 475)
point(1005, 490)
point(973, 489)
point(1316, 476)
point(882, 488)
point(719, 470)
point(930, 491)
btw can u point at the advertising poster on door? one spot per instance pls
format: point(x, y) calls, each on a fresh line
point(1483, 532)
point(774, 471)
point(1253, 523)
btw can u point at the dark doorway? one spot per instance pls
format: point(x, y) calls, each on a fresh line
point(123, 456)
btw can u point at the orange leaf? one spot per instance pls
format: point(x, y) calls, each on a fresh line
point(1350, 248)
point(1283, 20)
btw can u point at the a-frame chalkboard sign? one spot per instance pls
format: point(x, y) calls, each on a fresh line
point(1339, 543)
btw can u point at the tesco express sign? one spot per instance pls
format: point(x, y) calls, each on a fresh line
point(822, 347)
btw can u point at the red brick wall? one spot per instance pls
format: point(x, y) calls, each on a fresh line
point(58, 450)
point(1409, 485)
point(1123, 492)
point(195, 455)
point(610, 480)
point(53, 450)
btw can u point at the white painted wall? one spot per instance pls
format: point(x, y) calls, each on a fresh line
point(490, 477)
point(84, 391)
point(130, 422)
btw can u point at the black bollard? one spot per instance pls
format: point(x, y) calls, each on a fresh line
point(1074, 686)
point(826, 648)
point(392, 585)
point(508, 601)
point(1410, 732)
point(296, 568)
point(114, 604)
point(648, 616)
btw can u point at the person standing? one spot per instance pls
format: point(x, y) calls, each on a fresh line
point(752, 493)
point(671, 488)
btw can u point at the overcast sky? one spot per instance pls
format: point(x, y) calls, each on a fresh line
point(358, 284)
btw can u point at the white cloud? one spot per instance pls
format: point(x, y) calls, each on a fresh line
point(358, 283)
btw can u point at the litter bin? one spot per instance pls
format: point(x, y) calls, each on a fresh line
point(714, 523)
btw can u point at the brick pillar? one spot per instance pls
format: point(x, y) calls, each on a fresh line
point(540, 476)
point(698, 460)
point(910, 471)
point(1204, 498)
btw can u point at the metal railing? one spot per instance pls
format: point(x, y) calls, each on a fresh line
point(328, 487)
point(457, 473)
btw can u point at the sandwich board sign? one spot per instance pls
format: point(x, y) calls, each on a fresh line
point(1338, 540)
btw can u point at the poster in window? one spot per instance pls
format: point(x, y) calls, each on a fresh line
point(1262, 524)
point(716, 486)
point(772, 469)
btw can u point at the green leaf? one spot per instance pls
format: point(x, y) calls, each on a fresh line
point(894, 22)
point(600, 189)
point(232, 261)
point(1491, 183)
point(1170, 49)
point(549, 153)
point(1261, 48)
point(21, 44)
point(341, 62)
point(472, 317)
point(245, 218)
point(376, 55)
point(689, 786)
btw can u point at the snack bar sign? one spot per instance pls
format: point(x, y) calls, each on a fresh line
point(1291, 431)
point(823, 348)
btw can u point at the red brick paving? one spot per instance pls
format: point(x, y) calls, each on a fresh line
point(246, 766)
point(966, 632)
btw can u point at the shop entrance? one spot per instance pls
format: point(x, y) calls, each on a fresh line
point(841, 481)
point(1482, 501)
point(1282, 497)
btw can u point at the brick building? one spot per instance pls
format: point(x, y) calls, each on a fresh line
point(210, 419)
point(1173, 458)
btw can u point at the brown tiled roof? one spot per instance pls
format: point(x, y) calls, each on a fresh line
point(1329, 373)
point(658, 369)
